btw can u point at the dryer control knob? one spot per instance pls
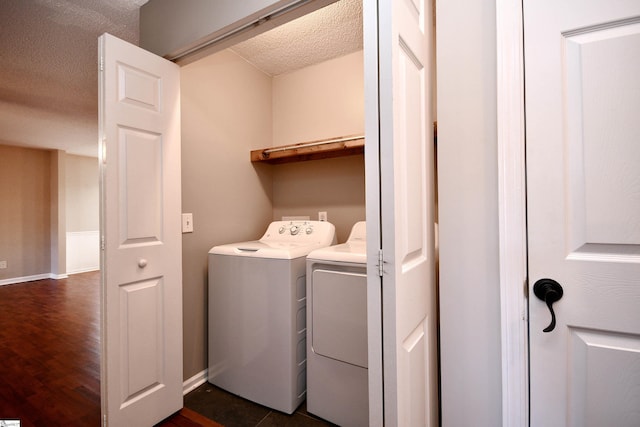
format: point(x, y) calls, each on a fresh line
point(309, 230)
point(281, 230)
point(294, 230)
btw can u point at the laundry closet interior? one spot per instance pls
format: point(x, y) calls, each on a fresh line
point(231, 107)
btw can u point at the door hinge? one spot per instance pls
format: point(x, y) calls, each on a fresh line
point(525, 288)
point(103, 146)
point(101, 63)
point(380, 263)
point(104, 421)
point(102, 243)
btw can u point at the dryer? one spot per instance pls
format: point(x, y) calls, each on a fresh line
point(337, 351)
point(257, 317)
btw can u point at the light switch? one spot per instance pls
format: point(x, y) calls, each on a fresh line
point(187, 223)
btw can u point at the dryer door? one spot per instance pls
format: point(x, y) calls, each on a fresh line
point(339, 316)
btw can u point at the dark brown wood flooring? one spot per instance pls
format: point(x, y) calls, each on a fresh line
point(188, 418)
point(50, 351)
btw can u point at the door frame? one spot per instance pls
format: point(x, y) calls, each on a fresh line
point(373, 212)
point(512, 225)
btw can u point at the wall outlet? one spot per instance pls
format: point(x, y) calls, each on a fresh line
point(3, 264)
point(322, 216)
point(187, 223)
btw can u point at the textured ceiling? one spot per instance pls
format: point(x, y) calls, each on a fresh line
point(330, 32)
point(48, 68)
point(48, 61)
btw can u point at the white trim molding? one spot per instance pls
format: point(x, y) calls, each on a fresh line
point(194, 382)
point(512, 213)
point(14, 280)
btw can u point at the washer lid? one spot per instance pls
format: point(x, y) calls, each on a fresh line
point(283, 240)
point(258, 249)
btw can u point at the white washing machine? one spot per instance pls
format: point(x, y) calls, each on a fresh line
point(337, 375)
point(257, 313)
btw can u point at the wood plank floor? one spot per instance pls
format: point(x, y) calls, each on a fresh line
point(50, 351)
point(188, 418)
point(50, 355)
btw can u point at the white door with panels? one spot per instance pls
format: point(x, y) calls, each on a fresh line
point(582, 62)
point(400, 97)
point(141, 261)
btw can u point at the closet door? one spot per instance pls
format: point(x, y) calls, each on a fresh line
point(400, 192)
point(582, 62)
point(141, 258)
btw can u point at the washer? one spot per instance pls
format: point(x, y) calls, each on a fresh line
point(257, 313)
point(337, 374)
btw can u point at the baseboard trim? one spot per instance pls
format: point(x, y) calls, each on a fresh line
point(23, 279)
point(194, 382)
point(83, 270)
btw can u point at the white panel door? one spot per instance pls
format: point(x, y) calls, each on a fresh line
point(403, 94)
point(140, 227)
point(582, 61)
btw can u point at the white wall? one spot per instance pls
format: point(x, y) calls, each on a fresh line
point(83, 251)
point(226, 113)
point(322, 101)
point(468, 213)
point(82, 193)
point(82, 202)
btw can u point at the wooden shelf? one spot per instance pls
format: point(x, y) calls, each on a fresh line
point(314, 150)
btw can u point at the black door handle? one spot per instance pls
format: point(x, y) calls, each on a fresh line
point(549, 291)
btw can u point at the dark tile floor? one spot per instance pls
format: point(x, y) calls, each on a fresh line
point(233, 411)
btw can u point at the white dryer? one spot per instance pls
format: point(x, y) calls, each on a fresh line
point(257, 313)
point(337, 375)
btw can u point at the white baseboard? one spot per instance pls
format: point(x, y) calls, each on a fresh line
point(23, 279)
point(194, 382)
point(86, 270)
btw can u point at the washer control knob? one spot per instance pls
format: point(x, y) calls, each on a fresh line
point(309, 230)
point(281, 230)
point(294, 230)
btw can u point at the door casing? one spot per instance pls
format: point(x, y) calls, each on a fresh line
point(512, 213)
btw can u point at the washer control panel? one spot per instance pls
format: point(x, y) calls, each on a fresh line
point(299, 231)
point(295, 227)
